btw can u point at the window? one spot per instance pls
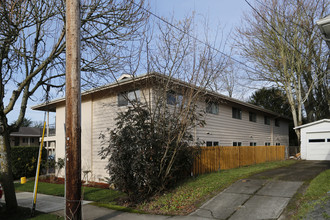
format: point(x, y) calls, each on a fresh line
point(237, 143)
point(24, 140)
point(328, 139)
point(278, 144)
point(212, 107)
point(32, 140)
point(208, 143)
point(174, 99)
point(267, 120)
point(252, 116)
point(125, 98)
point(16, 141)
point(316, 140)
point(253, 143)
point(237, 113)
point(212, 143)
point(277, 122)
point(267, 143)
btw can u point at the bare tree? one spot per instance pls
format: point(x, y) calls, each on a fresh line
point(32, 54)
point(281, 41)
point(180, 69)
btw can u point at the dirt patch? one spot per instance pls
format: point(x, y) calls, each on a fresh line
point(300, 171)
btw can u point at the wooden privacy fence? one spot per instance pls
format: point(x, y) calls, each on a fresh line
point(222, 158)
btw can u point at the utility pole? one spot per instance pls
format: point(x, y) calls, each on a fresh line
point(72, 112)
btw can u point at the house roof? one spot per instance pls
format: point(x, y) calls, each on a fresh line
point(313, 123)
point(27, 132)
point(125, 80)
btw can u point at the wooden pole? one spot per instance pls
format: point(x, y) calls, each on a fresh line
point(73, 111)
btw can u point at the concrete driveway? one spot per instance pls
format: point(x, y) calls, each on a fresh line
point(250, 199)
point(262, 196)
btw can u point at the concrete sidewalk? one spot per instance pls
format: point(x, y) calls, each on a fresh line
point(55, 205)
point(250, 199)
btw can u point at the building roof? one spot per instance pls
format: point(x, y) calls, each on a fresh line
point(27, 132)
point(125, 80)
point(313, 123)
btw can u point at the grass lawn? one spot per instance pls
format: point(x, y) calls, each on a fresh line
point(190, 194)
point(316, 194)
point(181, 200)
point(90, 193)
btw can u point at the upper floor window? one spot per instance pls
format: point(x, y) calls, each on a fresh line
point(212, 107)
point(277, 122)
point(125, 98)
point(267, 120)
point(253, 143)
point(252, 116)
point(267, 143)
point(174, 98)
point(237, 113)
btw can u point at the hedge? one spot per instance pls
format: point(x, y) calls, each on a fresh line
point(24, 160)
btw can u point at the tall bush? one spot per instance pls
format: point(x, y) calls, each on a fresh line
point(146, 155)
point(25, 159)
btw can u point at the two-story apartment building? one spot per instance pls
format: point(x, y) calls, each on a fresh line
point(229, 122)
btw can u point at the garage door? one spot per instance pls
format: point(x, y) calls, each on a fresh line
point(318, 146)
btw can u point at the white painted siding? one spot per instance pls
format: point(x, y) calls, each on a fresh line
point(105, 111)
point(226, 130)
point(100, 109)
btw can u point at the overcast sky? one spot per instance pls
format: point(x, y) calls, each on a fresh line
point(226, 13)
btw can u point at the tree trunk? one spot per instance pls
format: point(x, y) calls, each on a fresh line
point(6, 173)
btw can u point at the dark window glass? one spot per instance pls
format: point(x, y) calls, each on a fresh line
point(253, 144)
point(32, 140)
point(171, 100)
point(215, 143)
point(237, 113)
point(316, 140)
point(237, 143)
point(208, 143)
point(212, 107)
point(252, 116)
point(267, 120)
point(16, 141)
point(122, 99)
point(278, 144)
point(267, 143)
point(328, 139)
point(277, 122)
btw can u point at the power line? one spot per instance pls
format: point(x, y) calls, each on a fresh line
point(195, 38)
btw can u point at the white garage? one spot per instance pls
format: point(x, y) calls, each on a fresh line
point(315, 140)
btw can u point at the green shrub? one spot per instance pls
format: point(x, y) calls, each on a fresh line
point(147, 155)
point(24, 160)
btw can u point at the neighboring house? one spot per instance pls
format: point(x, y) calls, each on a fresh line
point(315, 140)
point(229, 122)
point(25, 136)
